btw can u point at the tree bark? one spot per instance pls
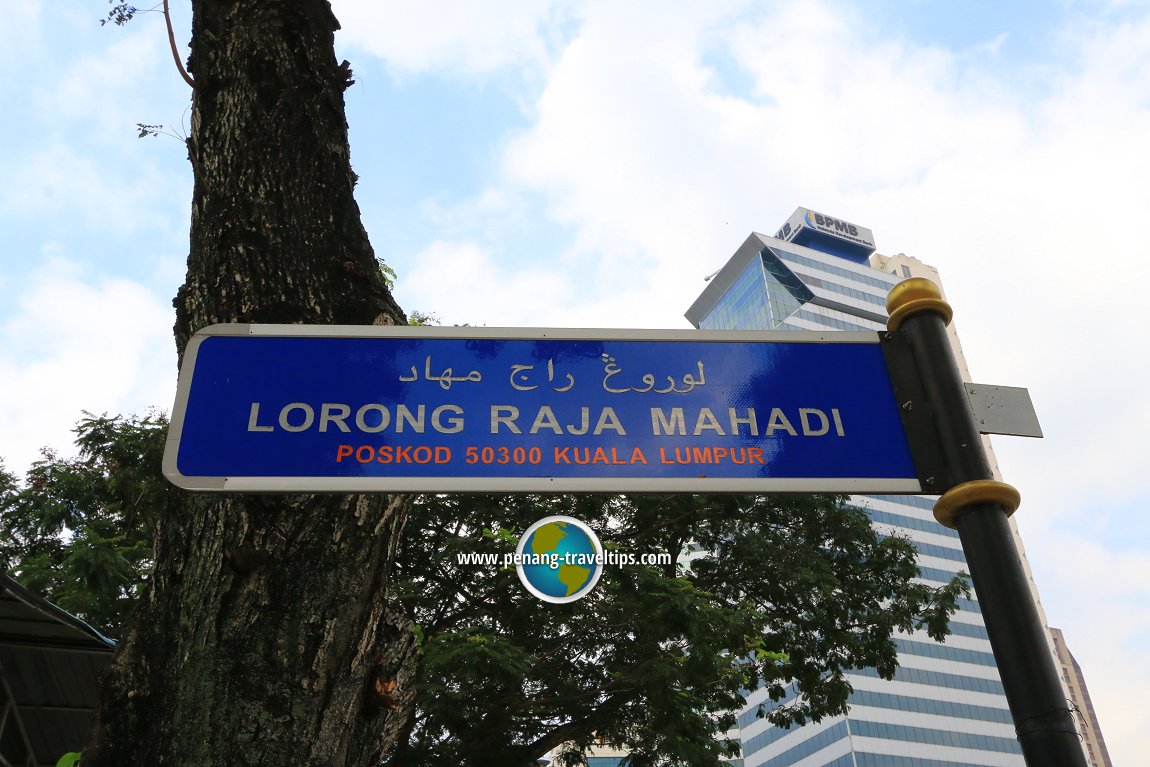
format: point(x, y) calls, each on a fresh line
point(266, 636)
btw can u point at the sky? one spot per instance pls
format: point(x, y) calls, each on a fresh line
point(585, 163)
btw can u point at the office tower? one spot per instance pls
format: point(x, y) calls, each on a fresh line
point(1092, 741)
point(945, 706)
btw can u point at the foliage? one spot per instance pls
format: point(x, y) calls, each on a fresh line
point(423, 318)
point(656, 658)
point(120, 14)
point(146, 130)
point(79, 530)
point(779, 590)
point(387, 273)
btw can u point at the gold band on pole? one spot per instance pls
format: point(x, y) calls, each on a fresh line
point(954, 501)
point(912, 296)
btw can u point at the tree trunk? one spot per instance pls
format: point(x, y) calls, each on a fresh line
point(266, 636)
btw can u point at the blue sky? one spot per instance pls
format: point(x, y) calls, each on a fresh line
point(586, 163)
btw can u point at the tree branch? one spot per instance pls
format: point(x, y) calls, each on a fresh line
point(175, 53)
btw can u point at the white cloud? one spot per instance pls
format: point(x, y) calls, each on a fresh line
point(73, 159)
point(455, 35)
point(1110, 597)
point(76, 342)
point(1027, 191)
point(105, 88)
point(58, 182)
point(462, 284)
point(21, 31)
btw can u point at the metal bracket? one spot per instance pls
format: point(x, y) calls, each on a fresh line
point(1003, 410)
point(996, 410)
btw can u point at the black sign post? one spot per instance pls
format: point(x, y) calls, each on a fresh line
point(978, 506)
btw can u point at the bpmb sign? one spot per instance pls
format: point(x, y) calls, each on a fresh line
point(306, 408)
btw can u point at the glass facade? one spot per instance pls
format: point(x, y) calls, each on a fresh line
point(763, 296)
point(945, 706)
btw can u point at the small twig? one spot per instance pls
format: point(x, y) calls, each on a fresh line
point(175, 53)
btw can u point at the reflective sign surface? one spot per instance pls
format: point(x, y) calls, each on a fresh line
point(295, 408)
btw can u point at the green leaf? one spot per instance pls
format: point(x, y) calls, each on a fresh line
point(69, 759)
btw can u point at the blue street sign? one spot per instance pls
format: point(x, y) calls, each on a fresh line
point(290, 408)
